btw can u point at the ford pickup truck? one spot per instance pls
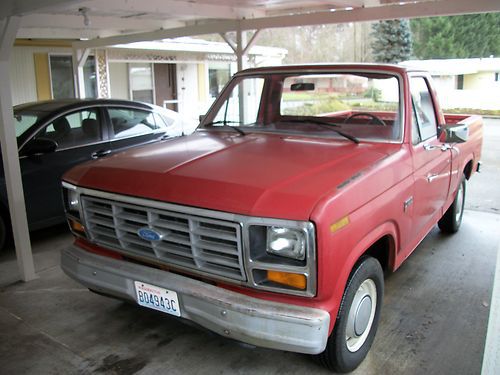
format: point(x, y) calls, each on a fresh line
point(273, 224)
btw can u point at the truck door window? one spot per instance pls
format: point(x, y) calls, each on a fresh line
point(415, 132)
point(241, 108)
point(423, 108)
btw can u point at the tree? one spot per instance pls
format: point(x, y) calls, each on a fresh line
point(466, 36)
point(392, 42)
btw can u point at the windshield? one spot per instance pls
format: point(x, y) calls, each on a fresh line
point(359, 105)
point(23, 120)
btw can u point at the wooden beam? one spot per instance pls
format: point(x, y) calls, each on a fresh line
point(414, 9)
point(10, 8)
point(10, 158)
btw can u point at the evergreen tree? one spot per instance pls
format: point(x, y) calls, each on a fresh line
point(476, 35)
point(392, 42)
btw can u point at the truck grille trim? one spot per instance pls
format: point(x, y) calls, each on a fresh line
point(209, 246)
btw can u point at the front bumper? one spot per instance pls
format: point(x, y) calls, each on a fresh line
point(250, 320)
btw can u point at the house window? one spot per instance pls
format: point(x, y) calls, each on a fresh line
point(497, 76)
point(90, 78)
point(141, 82)
point(218, 75)
point(460, 82)
point(61, 76)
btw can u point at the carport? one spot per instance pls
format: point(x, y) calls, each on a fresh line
point(97, 24)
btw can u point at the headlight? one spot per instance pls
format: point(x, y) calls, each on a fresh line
point(73, 201)
point(282, 256)
point(286, 242)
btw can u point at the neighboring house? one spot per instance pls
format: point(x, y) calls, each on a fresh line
point(183, 74)
point(465, 83)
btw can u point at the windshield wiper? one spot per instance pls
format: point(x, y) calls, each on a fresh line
point(326, 125)
point(225, 125)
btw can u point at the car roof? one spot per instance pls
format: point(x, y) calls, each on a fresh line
point(58, 105)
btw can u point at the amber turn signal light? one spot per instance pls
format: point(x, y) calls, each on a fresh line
point(294, 280)
point(76, 226)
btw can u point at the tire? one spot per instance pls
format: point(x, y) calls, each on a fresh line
point(452, 219)
point(357, 319)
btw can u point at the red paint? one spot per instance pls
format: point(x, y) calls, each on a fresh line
point(304, 178)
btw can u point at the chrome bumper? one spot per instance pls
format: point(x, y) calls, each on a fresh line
point(250, 320)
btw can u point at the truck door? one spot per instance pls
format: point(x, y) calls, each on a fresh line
point(431, 160)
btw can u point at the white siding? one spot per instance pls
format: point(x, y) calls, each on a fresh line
point(22, 76)
point(22, 72)
point(118, 81)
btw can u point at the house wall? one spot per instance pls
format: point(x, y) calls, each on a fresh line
point(481, 80)
point(118, 80)
point(445, 82)
point(23, 79)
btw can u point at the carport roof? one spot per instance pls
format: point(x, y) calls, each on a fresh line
point(123, 21)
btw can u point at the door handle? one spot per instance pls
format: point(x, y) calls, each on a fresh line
point(443, 147)
point(100, 154)
point(432, 177)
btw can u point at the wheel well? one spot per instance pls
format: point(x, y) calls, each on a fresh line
point(468, 170)
point(381, 250)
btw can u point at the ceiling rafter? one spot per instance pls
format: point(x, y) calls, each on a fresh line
point(411, 9)
point(23, 7)
point(176, 8)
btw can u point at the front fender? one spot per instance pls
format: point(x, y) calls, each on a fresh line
point(331, 289)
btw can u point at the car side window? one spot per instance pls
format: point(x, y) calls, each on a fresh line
point(162, 122)
point(129, 122)
point(74, 129)
point(423, 108)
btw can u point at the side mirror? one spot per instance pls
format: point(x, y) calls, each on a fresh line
point(201, 118)
point(456, 133)
point(39, 146)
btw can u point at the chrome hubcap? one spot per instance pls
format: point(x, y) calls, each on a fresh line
point(460, 202)
point(361, 315)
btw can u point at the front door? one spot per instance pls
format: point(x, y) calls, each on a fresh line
point(431, 161)
point(165, 77)
point(80, 138)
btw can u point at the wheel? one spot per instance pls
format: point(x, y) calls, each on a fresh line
point(357, 319)
point(377, 120)
point(452, 218)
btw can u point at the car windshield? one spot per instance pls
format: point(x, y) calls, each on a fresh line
point(362, 105)
point(23, 120)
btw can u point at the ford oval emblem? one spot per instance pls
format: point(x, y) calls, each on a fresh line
point(149, 234)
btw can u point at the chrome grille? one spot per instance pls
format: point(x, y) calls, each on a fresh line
point(198, 243)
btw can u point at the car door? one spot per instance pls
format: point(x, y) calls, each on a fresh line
point(132, 127)
point(79, 136)
point(431, 160)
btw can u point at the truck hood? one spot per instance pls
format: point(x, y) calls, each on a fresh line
point(265, 175)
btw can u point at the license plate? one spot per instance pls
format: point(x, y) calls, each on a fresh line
point(157, 298)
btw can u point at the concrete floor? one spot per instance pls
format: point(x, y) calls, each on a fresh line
point(434, 318)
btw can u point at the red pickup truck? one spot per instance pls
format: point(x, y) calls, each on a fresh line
point(273, 224)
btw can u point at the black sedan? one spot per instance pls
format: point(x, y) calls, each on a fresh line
point(53, 136)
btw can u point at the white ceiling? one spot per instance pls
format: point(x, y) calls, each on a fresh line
point(158, 19)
